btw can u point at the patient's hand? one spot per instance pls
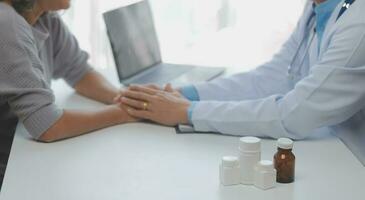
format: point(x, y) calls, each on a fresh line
point(124, 115)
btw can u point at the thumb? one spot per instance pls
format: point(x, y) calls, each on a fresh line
point(117, 98)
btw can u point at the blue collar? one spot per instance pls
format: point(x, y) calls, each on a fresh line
point(323, 13)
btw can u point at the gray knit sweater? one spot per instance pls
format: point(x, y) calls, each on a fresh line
point(30, 56)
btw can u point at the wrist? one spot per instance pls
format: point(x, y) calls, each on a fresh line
point(184, 113)
point(115, 114)
point(111, 98)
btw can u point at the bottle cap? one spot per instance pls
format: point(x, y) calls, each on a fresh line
point(285, 143)
point(265, 165)
point(250, 144)
point(230, 161)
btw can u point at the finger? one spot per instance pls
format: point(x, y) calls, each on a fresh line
point(139, 113)
point(116, 99)
point(168, 88)
point(138, 96)
point(144, 89)
point(134, 103)
point(153, 86)
point(130, 117)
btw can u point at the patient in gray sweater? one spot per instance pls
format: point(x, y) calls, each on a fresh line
point(36, 47)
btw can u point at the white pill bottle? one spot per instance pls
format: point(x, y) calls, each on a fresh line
point(230, 171)
point(249, 156)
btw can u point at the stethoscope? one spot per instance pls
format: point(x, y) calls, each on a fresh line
point(311, 32)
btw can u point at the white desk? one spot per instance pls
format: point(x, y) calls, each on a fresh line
point(143, 161)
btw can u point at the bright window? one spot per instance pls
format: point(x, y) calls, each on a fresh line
point(231, 33)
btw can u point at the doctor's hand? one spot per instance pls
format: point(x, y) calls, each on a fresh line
point(168, 88)
point(163, 107)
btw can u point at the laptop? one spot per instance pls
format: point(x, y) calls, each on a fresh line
point(137, 54)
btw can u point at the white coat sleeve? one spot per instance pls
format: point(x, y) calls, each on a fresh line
point(331, 93)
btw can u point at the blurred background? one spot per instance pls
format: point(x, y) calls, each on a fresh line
point(237, 34)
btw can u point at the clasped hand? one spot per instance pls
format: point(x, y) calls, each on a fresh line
point(165, 106)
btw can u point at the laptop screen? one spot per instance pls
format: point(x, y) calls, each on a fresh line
point(133, 38)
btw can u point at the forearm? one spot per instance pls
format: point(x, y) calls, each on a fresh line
point(75, 123)
point(93, 85)
point(261, 82)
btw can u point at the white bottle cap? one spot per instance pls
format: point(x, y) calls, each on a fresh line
point(230, 161)
point(250, 144)
point(285, 143)
point(265, 165)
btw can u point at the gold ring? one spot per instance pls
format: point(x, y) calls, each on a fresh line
point(145, 105)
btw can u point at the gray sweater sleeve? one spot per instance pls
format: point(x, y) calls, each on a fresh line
point(70, 62)
point(22, 84)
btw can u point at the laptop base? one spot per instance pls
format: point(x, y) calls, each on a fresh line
point(177, 75)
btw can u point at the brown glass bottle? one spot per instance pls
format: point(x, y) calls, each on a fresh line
point(284, 161)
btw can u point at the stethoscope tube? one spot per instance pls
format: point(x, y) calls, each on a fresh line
point(310, 25)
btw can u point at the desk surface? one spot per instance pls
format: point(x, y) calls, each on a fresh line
point(145, 161)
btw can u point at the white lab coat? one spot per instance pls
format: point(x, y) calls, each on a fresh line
point(265, 102)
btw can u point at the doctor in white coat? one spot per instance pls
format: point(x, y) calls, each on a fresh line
point(316, 80)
